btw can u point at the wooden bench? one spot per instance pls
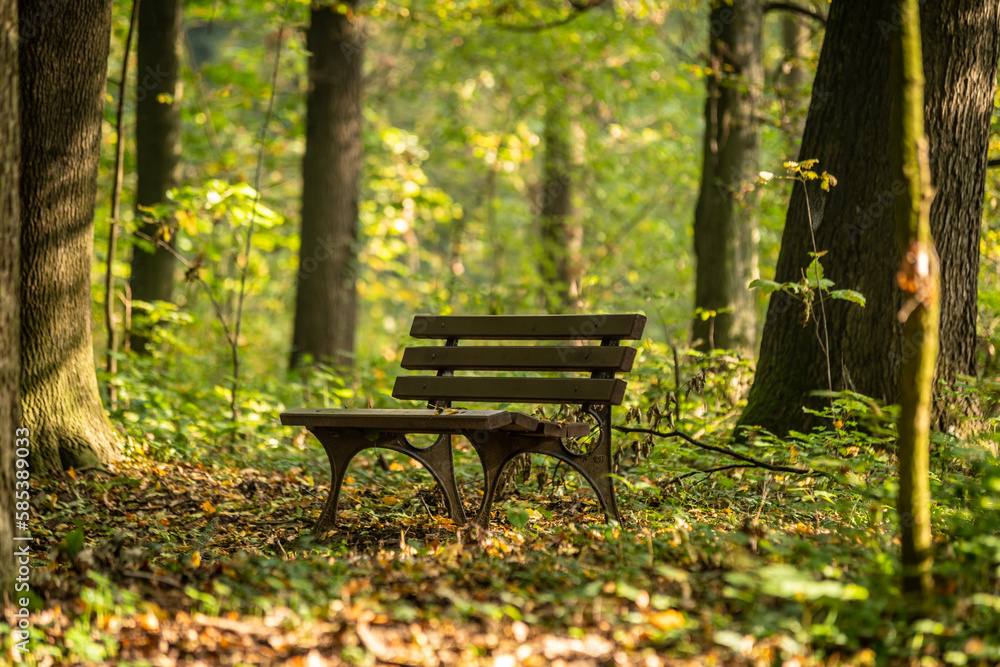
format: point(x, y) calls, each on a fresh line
point(497, 435)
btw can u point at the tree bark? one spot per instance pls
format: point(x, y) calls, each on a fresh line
point(794, 75)
point(726, 219)
point(847, 130)
point(561, 232)
point(63, 68)
point(158, 147)
point(10, 326)
point(326, 300)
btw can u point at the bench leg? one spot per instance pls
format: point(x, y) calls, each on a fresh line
point(342, 445)
point(497, 448)
point(437, 459)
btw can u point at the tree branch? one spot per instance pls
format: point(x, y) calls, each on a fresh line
point(579, 8)
point(722, 450)
point(993, 162)
point(795, 9)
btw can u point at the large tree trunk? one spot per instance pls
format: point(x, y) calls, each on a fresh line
point(326, 301)
point(726, 220)
point(561, 232)
point(63, 66)
point(848, 131)
point(10, 243)
point(158, 147)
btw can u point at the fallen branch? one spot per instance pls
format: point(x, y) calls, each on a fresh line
point(722, 450)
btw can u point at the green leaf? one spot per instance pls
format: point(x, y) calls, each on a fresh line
point(766, 286)
point(849, 295)
point(74, 542)
point(518, 517)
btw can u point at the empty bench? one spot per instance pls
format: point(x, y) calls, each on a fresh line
point(580, 369)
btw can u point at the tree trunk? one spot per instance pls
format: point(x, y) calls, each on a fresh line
point(63, 67)
point(158, 147)
point(326, 301)
point(919, 280)
point(847, 130)
point(10, 327)
point(794, 78)
point(726, 220)
point(561, 233)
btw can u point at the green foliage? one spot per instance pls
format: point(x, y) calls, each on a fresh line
point(735, 565)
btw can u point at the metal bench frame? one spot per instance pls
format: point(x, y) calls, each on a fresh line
point(498, 436)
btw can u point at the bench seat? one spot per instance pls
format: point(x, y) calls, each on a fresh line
point(448, 420)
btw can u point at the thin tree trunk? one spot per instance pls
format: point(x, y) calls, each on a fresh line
point(561, 232)
point(794, 75)
point(63, 67)
point(920, 282)
point(326, 301)
point(10, 326)
point(847, 130)
point(158, 148)
point(726, 220)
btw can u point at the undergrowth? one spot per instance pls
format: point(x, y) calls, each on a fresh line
point(204, 532)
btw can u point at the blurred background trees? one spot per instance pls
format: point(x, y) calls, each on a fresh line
point(447, 156)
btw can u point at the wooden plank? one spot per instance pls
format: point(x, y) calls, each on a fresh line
point(520, 358)
point(511, 390)
point(410, 421)
point(569, 429)
point(529, 327)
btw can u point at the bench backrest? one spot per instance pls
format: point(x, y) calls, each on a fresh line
point(601, 362)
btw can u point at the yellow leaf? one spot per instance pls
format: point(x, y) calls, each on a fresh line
point(196, 559)
point(208, 507)
point(186, 221)
point(149, 621)
point(670, 619)
point(389, 501)
point(71, 473)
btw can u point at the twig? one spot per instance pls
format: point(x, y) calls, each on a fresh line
point(795, 9)
point(193, 272)
point(253, 214)
point(819, 291)
point(722, 450)
point(135, 574)
point(110, 361)
point(579, 9)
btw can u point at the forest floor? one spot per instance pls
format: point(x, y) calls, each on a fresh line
point(163, 564)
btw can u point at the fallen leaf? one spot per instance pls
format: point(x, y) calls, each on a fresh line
point(670, 619)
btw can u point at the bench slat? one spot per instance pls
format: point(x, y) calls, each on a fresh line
point(519, 358)
point(529, 327)
point(511, 390)
point(430, 421)
point(409, 420)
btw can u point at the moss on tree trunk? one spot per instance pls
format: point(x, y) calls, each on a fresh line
point(919, 280)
